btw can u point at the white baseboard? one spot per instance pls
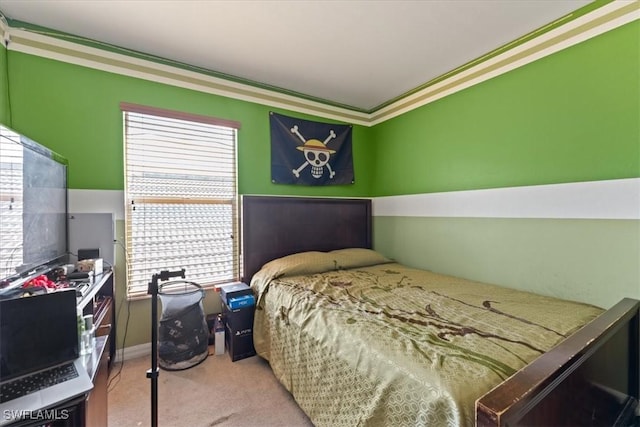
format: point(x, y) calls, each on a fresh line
point(133, 352)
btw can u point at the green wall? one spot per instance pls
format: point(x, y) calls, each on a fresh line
point(587, 260)
point(568, 117)
point(4, 111)
point(75, 111)
point(573, 116)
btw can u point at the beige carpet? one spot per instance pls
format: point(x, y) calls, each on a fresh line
point(217, 392)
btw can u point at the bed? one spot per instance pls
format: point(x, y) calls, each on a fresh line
point(359, 339)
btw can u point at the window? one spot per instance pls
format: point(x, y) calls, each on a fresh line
point(11, 170)
point(181, 197)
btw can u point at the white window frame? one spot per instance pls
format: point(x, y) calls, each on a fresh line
point(135, 265)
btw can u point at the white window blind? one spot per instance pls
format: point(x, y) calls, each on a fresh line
point(181, 197)
point(11, 169)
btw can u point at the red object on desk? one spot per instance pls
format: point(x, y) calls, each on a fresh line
point(41, 281)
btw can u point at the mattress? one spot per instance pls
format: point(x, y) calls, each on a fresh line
point(360, 340)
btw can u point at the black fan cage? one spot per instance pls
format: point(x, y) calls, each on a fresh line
point(183, 336)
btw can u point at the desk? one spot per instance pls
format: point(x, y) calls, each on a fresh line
point(99, 301)
point(94, 406)
point(88, 410)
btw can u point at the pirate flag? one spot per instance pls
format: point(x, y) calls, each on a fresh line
point(310, 153)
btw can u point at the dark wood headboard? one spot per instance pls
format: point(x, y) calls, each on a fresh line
point(273, 227)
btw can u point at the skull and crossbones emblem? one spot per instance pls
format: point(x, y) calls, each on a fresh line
point(315, 153)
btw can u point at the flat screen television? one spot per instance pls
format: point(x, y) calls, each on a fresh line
point(33, 207)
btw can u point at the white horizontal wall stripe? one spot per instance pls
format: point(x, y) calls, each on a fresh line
point(612, 199)
point(97, 201)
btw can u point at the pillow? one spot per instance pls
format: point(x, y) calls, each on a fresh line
point(311, 262)
point(357, 257)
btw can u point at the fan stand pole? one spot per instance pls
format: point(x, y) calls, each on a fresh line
point(153, 373)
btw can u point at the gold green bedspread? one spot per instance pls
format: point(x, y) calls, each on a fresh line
point(388, 345)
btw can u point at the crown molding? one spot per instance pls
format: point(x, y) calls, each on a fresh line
point(4, 31)
point(599, 21)
point(26, 41)
point(590, 25)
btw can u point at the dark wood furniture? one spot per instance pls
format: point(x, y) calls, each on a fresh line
point(94, 406)
point(590, 379)
point(99, 301)
point(90, 410)
point(273, 227)
point(596, 369)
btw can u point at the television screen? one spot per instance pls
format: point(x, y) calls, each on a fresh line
point(33, 206)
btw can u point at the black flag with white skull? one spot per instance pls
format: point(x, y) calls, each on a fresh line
point(310, 153)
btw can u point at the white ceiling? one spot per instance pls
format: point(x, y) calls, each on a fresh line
point(359, 54)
